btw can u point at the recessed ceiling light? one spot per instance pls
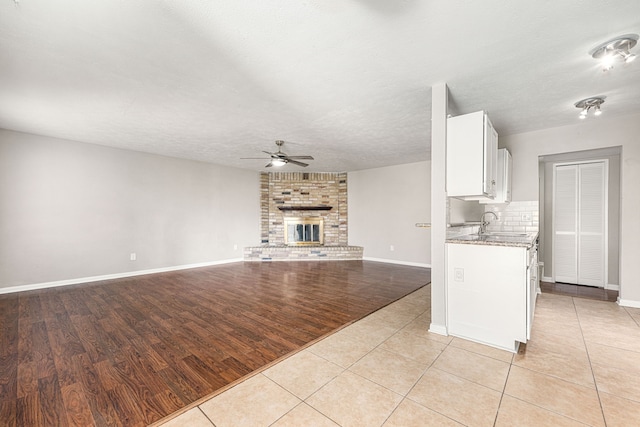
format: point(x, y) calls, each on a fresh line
point(613, 49)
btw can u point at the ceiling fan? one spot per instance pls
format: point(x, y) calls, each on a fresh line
point(280, 159)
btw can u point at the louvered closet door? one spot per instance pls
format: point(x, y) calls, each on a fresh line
point(591, 224)
point(565, 224)
point(579, 249)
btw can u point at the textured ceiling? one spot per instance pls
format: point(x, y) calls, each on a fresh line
point(347, 81)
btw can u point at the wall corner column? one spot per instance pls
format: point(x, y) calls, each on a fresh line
point(439, 111)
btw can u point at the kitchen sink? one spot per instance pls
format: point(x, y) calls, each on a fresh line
point(504, 234)
point(509, 237)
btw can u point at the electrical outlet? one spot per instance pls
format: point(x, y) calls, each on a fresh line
point(133, 256)
point(392, 248)
point(235, 247)
point(526, 217)
point(458, 274)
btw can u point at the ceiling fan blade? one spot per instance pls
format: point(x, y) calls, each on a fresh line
point(271, 154)
point(301, 157)
point(298, 163)
point(268, 165)
point(252, 158)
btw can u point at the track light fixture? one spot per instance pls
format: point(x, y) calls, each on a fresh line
point(590, 103)
point(613, 49)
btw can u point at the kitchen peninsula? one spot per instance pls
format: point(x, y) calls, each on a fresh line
point(492, 287)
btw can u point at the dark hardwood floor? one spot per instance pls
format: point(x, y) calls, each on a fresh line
point(580, 291)
point(128, 352)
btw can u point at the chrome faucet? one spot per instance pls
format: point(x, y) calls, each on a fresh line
point(484, 223)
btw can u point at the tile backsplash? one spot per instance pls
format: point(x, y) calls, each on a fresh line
point(516, 217)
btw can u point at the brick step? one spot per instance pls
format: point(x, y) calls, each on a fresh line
point(302, 253)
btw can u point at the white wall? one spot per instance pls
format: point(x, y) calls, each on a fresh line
point(384, 206)
point(591, 133)
point(72, 210)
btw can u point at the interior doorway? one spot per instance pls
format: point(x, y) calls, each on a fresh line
point(546, 204)
point(580, 222)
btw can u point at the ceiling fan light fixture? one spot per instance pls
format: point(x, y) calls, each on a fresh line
point(279, 158)
point(588, 103)
point(618, 47)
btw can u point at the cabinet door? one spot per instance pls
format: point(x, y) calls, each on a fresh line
point(472, 144)
point(507, 176)
point(490, 158)
point(532, 277)
point(465, 155)
point(503, 186)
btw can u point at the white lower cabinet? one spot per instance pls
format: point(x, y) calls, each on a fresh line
point(489, 295)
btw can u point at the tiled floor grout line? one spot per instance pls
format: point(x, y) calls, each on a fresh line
point(595, 383)
point(352, 364)
point(632, 318)
point(504, 389)
point(205, 415)
point(511, 364)
point(405, 396)
point(559, 378)
point(345, 369)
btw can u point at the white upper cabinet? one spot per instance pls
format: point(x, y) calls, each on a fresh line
point(503, 188)
point(472, 151)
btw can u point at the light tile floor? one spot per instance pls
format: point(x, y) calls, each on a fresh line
point(581, 367)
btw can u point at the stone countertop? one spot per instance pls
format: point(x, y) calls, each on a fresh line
point(523, 240)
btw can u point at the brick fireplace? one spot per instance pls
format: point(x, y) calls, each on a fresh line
point(303, 198)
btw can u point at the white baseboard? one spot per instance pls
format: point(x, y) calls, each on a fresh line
point(394, 261)
point(438, 329)
point(628, 303)
point(77, 281)
point(547, 279)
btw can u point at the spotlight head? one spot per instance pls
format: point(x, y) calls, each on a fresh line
point(607, 62)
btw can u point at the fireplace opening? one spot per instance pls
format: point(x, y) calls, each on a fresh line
point(304, 231)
